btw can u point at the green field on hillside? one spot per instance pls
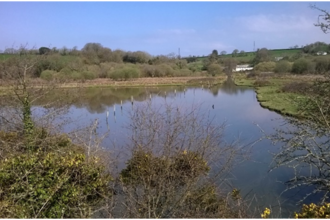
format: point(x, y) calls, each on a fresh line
point(249, 56)
point(6, 56)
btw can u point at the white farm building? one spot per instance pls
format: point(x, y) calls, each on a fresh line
point(243, 68)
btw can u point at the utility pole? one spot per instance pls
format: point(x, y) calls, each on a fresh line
point(179, 53)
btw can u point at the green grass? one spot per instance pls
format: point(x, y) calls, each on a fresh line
point(272, 97)
point(241, 80)
point(269, 97)
point(6, 56)
point(251, 55)
point(283, 52)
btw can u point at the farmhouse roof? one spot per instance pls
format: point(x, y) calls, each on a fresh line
point(243, 66)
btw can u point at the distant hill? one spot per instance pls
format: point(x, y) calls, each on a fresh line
point(247, 57)
point(251, 54)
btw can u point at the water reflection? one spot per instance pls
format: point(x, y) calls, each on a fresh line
point(99, 100)
point(237, 106)
point(230, 88)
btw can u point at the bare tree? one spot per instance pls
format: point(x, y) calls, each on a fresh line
point(305, 143)
point(323, 20)
point(234, 53)
point(177, 164)
point(230, 65)
point(52, 176)
point(23, 90)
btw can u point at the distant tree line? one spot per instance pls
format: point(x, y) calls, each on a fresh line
point(300, 63)
point(96, 61)
point(316, 47)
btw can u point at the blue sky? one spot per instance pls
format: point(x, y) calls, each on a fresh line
point(196, 28)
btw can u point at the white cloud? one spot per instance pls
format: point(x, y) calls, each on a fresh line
point(275, 23)
point(243, 33)
point(272, 31)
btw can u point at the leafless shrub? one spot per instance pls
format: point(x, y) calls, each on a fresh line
point(252, 74)
point(167, 175)
point(323, 19)
point(295, 87)
point(305, 143)
point(261, 82)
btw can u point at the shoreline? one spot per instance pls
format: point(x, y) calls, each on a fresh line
point(139, 82)
point(271, 96)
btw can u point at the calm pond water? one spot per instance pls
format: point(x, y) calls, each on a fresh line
point(236, 106)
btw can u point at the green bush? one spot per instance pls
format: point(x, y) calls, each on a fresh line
point(56, 62)
point(106, 68)
point(181, 64)
point(66, 71)
point(55, 181)
point(124, 73)
point(322, 65)
point(283, 66)
point(214, 69)
point(144, 167)
point(162, 70)
point(76, 64)
point(75, 75)
point(265, 66)
point(148, 70)
point(302, 66)
point(159, 176)
point(183, 72)
point(51, 62)
point(195, 67)
point(48, 75)
point(64, 74)
point(88, 75)
point(96, 70)
point(171, 187)
point(41, 66)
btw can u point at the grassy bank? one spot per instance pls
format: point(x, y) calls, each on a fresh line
point(270, 92)
point(139, 82)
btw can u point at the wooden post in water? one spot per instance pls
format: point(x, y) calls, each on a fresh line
point(114, 109)
point(165, 94)
point(132, 99)
point(121, 107)
point(107, 120)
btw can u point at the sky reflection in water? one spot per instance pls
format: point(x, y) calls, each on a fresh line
point(236, 106)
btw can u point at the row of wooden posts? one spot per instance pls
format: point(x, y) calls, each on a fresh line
point(132, 101)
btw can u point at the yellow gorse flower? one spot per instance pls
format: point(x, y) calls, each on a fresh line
point(266, 213)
